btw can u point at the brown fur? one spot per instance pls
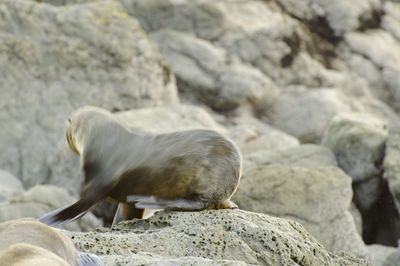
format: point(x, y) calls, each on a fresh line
point(187, 170)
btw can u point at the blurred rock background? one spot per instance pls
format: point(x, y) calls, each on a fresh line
point(309, 90)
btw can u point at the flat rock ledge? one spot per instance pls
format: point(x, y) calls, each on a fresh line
point(223, 237)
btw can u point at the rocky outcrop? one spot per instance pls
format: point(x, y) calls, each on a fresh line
point(251, 135)
point(319, 198)
point(10, 186)
point(358, 141)
point(223, 237)
point(289, 114)
point(207, 74)
point(272, 75)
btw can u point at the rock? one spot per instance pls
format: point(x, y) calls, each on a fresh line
point(381, 255)
point(55, 59)
point(391, 165)
point(388, 207)
point(319, 198)
point(367, 192)
point(233, 235)
point(251, 135)
point(168, 119)
point(390, 21)
point(206, 74)
point(302, 193)
point(147, 258)
point(10, 186)
point(40, 200)
point(382, 50)
point(305, 156)
point(29, 242)
point(305, 114)
point(238, 27)
point(393, 259)
point(358, 142)
point(334, 18)
point(357, 217)
point(280, 47)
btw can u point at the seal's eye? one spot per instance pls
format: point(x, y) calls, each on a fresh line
point(69, 120)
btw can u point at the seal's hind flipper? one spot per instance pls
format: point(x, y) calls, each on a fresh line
point(152, 202)
point(66, 214)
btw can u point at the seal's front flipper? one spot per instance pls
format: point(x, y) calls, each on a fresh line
point(152, 202)
point(127, 211)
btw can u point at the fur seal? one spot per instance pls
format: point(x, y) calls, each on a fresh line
point(187, 170)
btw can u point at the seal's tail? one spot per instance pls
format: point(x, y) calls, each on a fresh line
point(66, 214)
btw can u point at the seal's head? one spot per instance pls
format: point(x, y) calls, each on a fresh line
point(80, 123)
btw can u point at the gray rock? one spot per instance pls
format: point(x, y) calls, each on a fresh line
point(393, 258)
point(390, 21)
point(281, 47)
point(367, 192)
point(233, 235)
point(251, 135)
point(358, 142)
point(287, 191)
point(168, 119)
point(357, 217)
point(55, 59)
point(341, 16)
point(306, 113)
point(40, 200)
point(205, 73)
point(305, 156)
point(9, 186)
point(379, 255)
point(319, 198)
point(391, 165)
point(386, 58)
point(147, 258)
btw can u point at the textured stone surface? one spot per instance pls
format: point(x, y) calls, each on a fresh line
point(391, 165)
point(336, 16)
point(9, 186)
point(324, 57)
point(317, 197)
point(358, 141)
point(55, 59)
point(147, 258)
point(383, 256)
point(382, 51)
point(305, 114)
point(251, 135)
point(305, 156)
point(167, 119)
point(234, 235)
point(205, 73)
